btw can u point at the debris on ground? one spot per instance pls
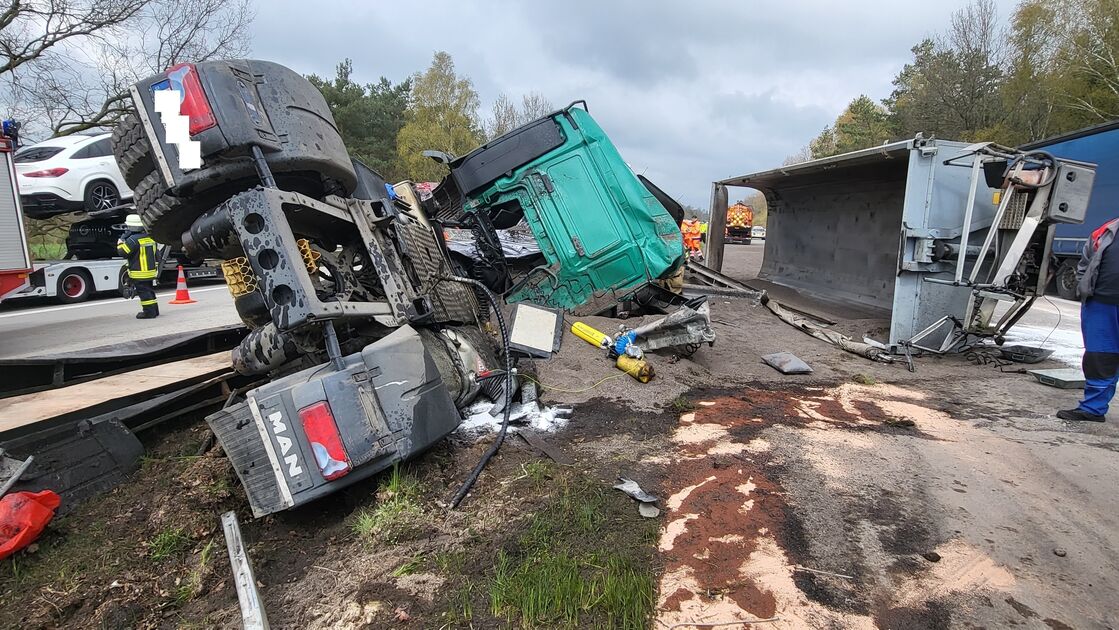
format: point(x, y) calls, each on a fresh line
point(646, 503)
point(786, 363)
point(23, 517)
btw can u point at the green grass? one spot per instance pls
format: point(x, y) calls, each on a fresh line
point(863, 379)
point(573, 566)
point(681, 404)
point(397, 515)
point(167, 543)
point(408, 568)
point(192, 585)
point(47, 251)
point(538, 472)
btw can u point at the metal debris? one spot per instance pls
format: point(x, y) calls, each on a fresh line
point(631, 488)
point(253, 616)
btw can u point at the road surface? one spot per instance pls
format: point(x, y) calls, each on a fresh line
point(44, 329)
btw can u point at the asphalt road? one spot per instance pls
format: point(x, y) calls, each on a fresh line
point(40, 329)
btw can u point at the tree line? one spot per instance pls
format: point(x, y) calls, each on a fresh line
point(388, 125)
point(1052, 68)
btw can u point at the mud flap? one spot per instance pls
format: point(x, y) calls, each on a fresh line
point(77, 460)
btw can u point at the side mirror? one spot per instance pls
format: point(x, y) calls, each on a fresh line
point(439, 156)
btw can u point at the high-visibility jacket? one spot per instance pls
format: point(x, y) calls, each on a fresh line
point(139, 249)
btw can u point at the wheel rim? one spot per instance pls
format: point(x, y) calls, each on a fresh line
point(1067, 278)
point(73, 286)
point(104, 196)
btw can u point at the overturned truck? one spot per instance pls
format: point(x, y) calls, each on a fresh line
point(368, 337)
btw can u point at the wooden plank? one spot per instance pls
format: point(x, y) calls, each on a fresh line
point(18, 411)
point(536, 441)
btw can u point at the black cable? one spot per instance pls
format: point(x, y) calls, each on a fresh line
point(469, 483)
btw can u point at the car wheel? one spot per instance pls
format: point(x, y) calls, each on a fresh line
point(132, 150)
point(1066, 280)
point(101, 195)
point(74, 285)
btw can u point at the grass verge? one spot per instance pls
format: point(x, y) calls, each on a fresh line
point(583, 560)
point(397, 516)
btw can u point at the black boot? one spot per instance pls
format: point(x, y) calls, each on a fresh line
point(1079, 415)
point(144, 315)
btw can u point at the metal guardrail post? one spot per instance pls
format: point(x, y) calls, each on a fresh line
point(716, 227)
point(253, 616)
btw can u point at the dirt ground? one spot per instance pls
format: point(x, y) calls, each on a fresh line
point(859, 496)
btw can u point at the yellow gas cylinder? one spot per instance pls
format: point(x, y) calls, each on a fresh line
point(637, 368)
point(590, 335)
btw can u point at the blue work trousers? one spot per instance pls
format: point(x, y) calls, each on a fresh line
point(1099, 323)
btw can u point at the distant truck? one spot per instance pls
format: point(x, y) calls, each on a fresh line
point(740, 224)
point(1100, 145)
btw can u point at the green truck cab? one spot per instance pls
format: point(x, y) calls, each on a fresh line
point(602, 231)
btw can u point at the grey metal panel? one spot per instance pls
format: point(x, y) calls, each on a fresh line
point(835, 235)
point(935, 199)
point(13, 248)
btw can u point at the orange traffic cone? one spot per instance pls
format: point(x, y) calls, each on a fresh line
point(182, 296)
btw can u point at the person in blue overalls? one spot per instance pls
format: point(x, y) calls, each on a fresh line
point(1098, 286)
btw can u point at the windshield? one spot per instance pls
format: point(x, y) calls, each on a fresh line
point(37, 154)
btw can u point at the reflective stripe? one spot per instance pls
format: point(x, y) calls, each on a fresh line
point(148, 302)
point(141, 275)
point(124, 248)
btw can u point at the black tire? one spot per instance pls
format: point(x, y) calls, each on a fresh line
point(74, 285)
point(166, 216)
point(1066, 280)
point(132, 150)
point(124, 284)
point(100, 194)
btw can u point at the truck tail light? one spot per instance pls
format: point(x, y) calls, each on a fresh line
point(50, 172)
point(184, 78)
point(322, 433)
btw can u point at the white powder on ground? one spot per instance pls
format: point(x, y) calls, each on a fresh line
point(477, 419)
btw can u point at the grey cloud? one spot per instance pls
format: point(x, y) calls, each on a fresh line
point(689, 91)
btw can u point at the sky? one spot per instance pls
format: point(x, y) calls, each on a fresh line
point(690, 92)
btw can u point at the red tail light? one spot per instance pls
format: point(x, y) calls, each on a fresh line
point(50, 172)
point(322, 433)
point(184, 77)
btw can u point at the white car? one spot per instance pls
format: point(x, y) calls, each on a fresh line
point(758, 231)
point(69, 173)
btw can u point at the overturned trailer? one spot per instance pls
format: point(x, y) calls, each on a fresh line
point(933, 235)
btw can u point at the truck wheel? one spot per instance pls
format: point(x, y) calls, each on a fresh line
point(167, 216)
point(132, 150)
point(74, 285)
point(1066, 280)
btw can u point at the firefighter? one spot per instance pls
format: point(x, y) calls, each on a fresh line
point(1098, 286)
point(690, 229)
point(139, 248)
